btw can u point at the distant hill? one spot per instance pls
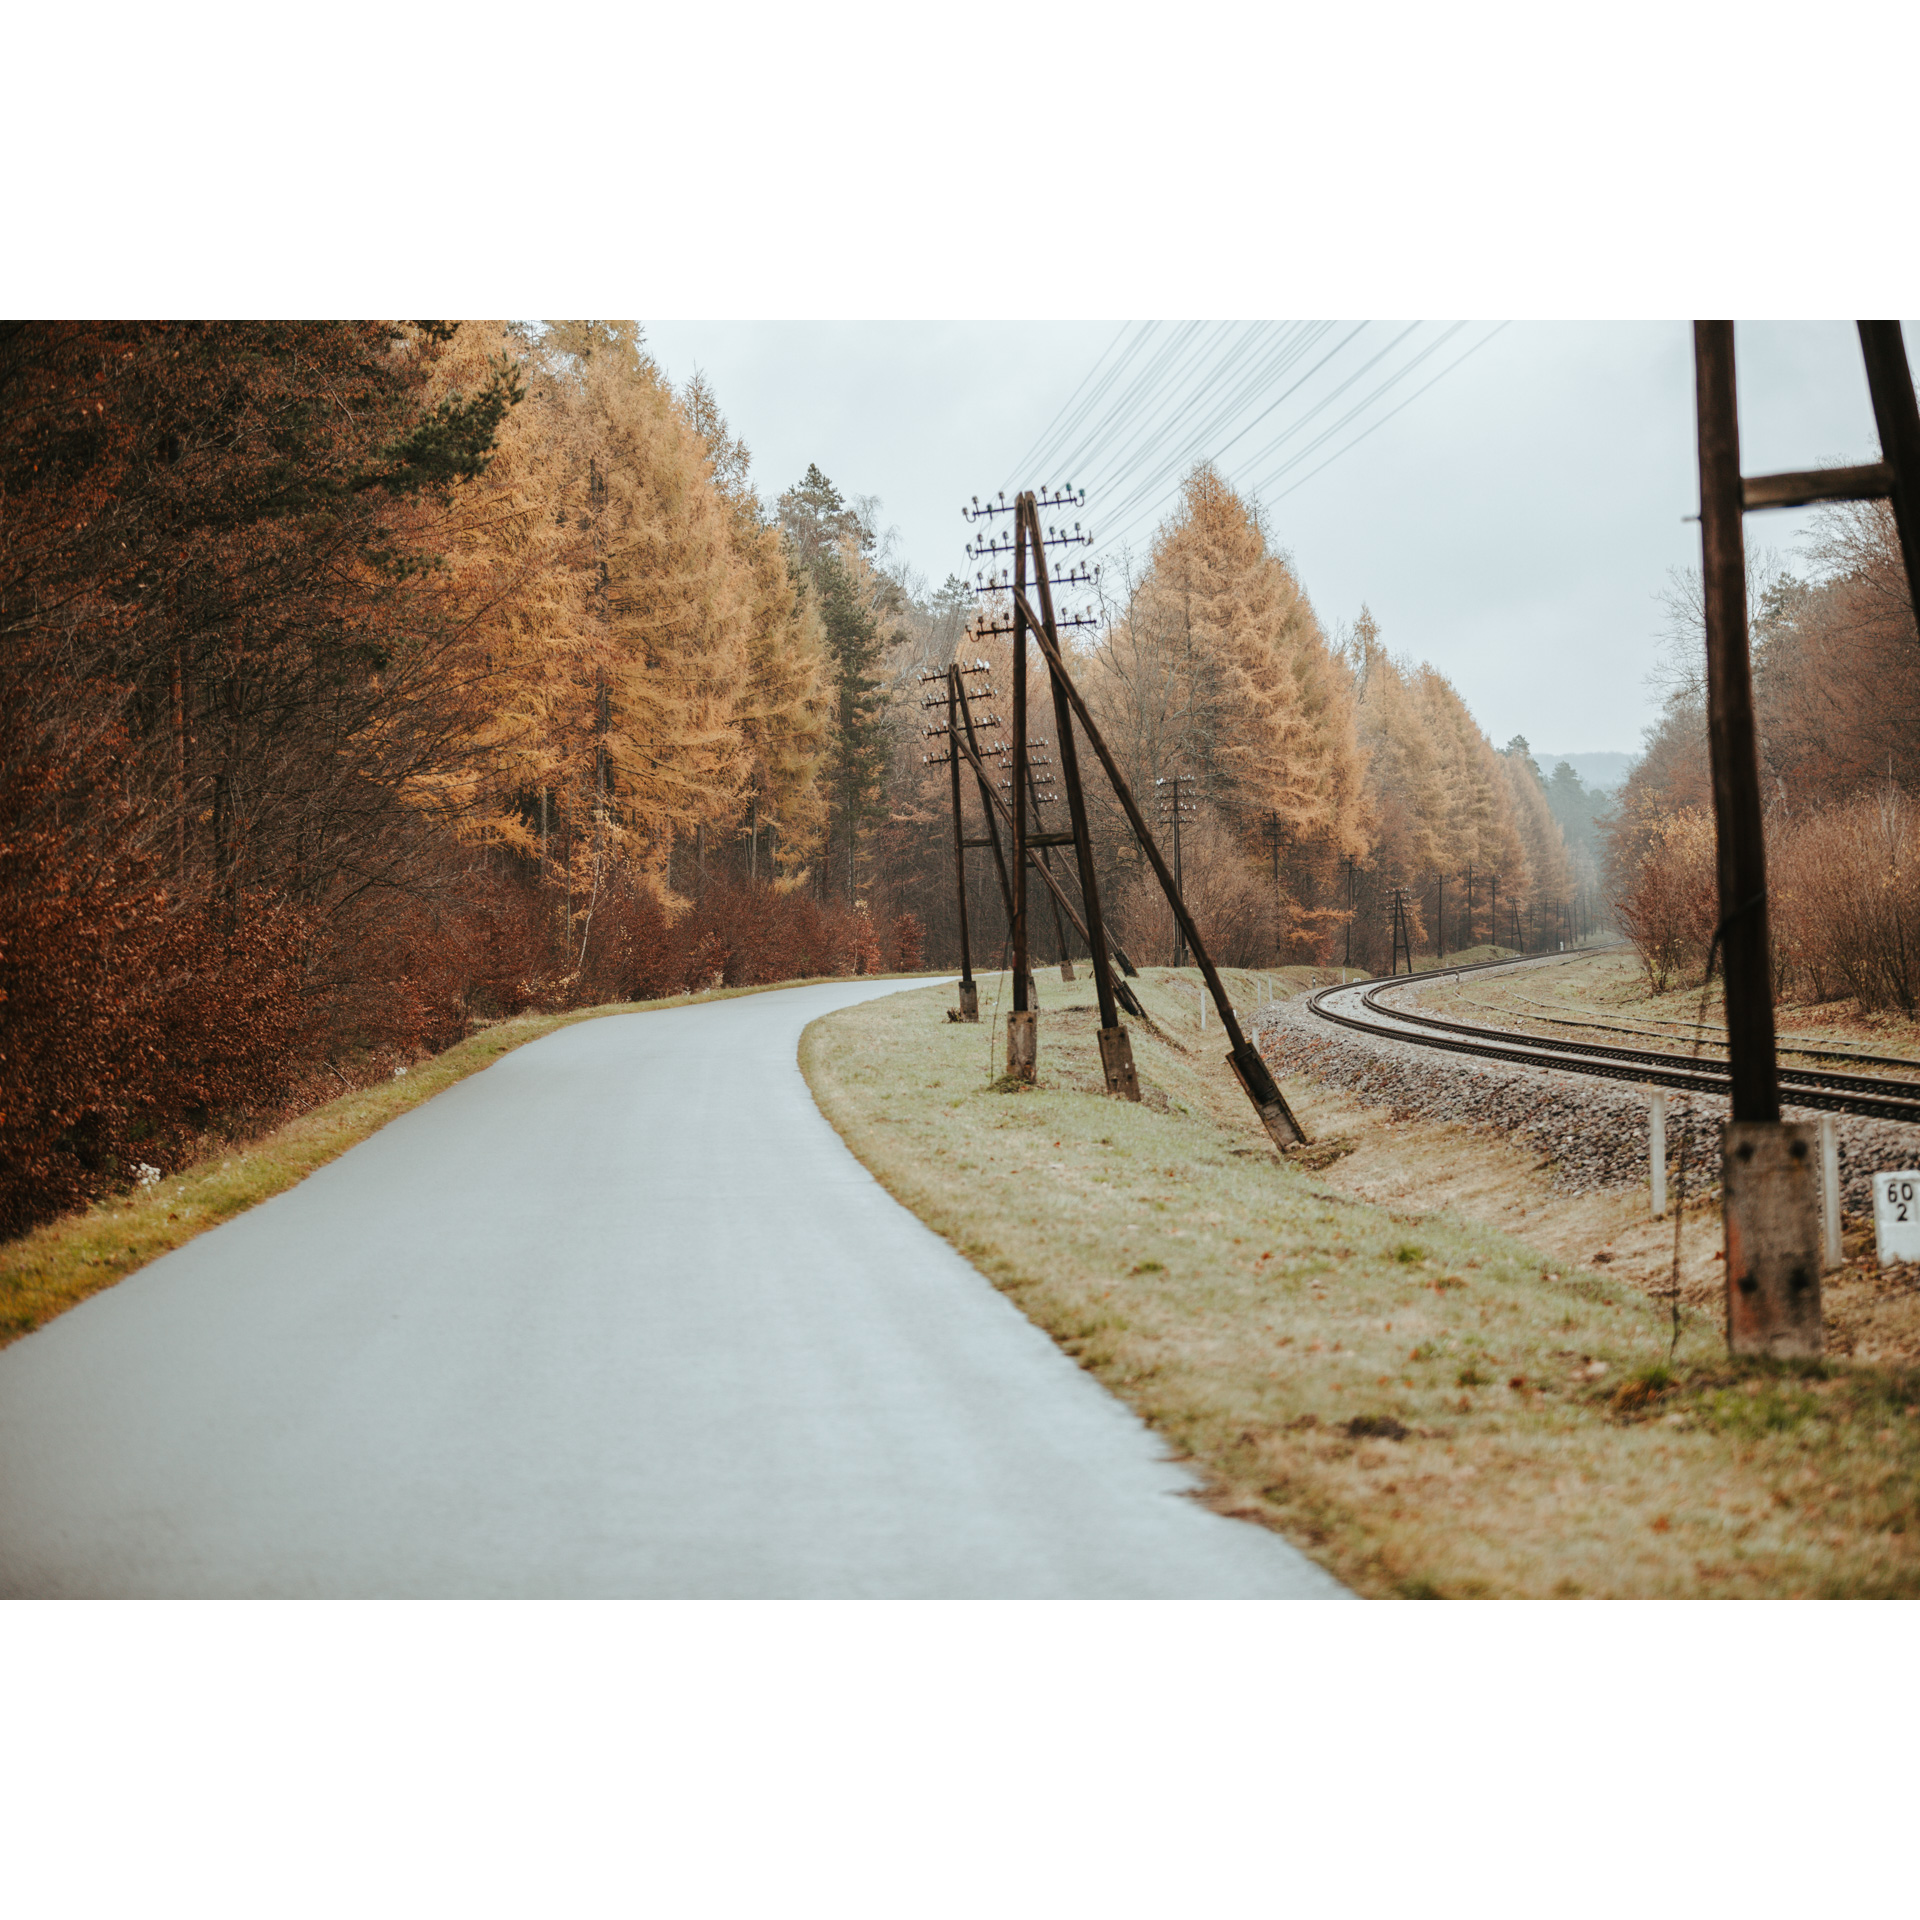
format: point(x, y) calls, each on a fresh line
point(1599, 772)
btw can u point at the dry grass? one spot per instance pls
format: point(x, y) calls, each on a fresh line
point(55, 1267)
point(1428, 1403)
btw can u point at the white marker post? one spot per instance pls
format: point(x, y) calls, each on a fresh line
point(1896, 1216)
point(1829, 1192)
point(1657, 1150)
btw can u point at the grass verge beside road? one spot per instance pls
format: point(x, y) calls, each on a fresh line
point(1425, 1403)
point(56, 1266)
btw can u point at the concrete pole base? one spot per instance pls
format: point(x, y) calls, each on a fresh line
point(1023, 1046)
point(1770, 1178)
point(1066, 969)
point(969, 1001)
point(1116, 1057)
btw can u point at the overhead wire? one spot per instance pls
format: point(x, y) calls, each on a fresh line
point(1327, 399)
point(1048, 451)
point(1152, 403)
point(1164, 414)
point(1027, 459)
point(1131, 396)
point(1359, 407)
point(1404, 404)
point(1144, 508)
point(1212, 383)
point(1286, 355)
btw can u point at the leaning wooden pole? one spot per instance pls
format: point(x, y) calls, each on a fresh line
point(1116, 1049)
point(1768, 1168)
point(1254, 1074)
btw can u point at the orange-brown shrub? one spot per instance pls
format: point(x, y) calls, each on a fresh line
point(1845, 887)
point(1843, 900)
point(1669, 907)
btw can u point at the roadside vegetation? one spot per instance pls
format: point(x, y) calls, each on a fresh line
point(1428, 1404)
point(1838, 721)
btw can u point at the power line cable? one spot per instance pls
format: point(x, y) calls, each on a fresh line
point(1177, 402)
point(1404, 404)
point(1359, 407)
point(1030, 459)
point(1327, 399)
point(1131, 397)
point(1150, 484)
point(1144, 510)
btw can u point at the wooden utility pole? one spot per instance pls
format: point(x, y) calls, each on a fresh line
point(1022, 1041)
point(1896, 414)
point(969, 993)
point(1734, 745)
point(1116, 1052)
point(1402, 932)
point(1772, 1255)
point(1772, 1213)
point(1116, 1048)
point(957, 730)
point(1176, 798)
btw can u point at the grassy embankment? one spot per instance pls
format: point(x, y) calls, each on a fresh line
point(1426, 1403)
point(56, 1266)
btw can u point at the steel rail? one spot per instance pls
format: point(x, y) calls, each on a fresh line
point(1710, 1038)
point(1825, 1092)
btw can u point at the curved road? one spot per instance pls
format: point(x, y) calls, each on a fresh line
point(620, 1316)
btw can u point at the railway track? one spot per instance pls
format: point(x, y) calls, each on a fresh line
point(1363, 1007)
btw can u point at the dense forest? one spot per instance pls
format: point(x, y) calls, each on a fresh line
point(1839, 725)
point(363, 682)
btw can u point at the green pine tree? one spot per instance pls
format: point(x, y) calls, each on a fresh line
point(856, 757)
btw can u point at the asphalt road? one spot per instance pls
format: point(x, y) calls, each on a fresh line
point(620, 1316)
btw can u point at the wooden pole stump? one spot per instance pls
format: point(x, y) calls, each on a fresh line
point(1023, 1045)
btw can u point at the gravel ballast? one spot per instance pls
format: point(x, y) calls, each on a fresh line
point(1590, 1133)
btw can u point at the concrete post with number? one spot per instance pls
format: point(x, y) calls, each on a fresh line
point(1657, 1151)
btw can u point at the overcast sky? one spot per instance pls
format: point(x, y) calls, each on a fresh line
point(1515, 525)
